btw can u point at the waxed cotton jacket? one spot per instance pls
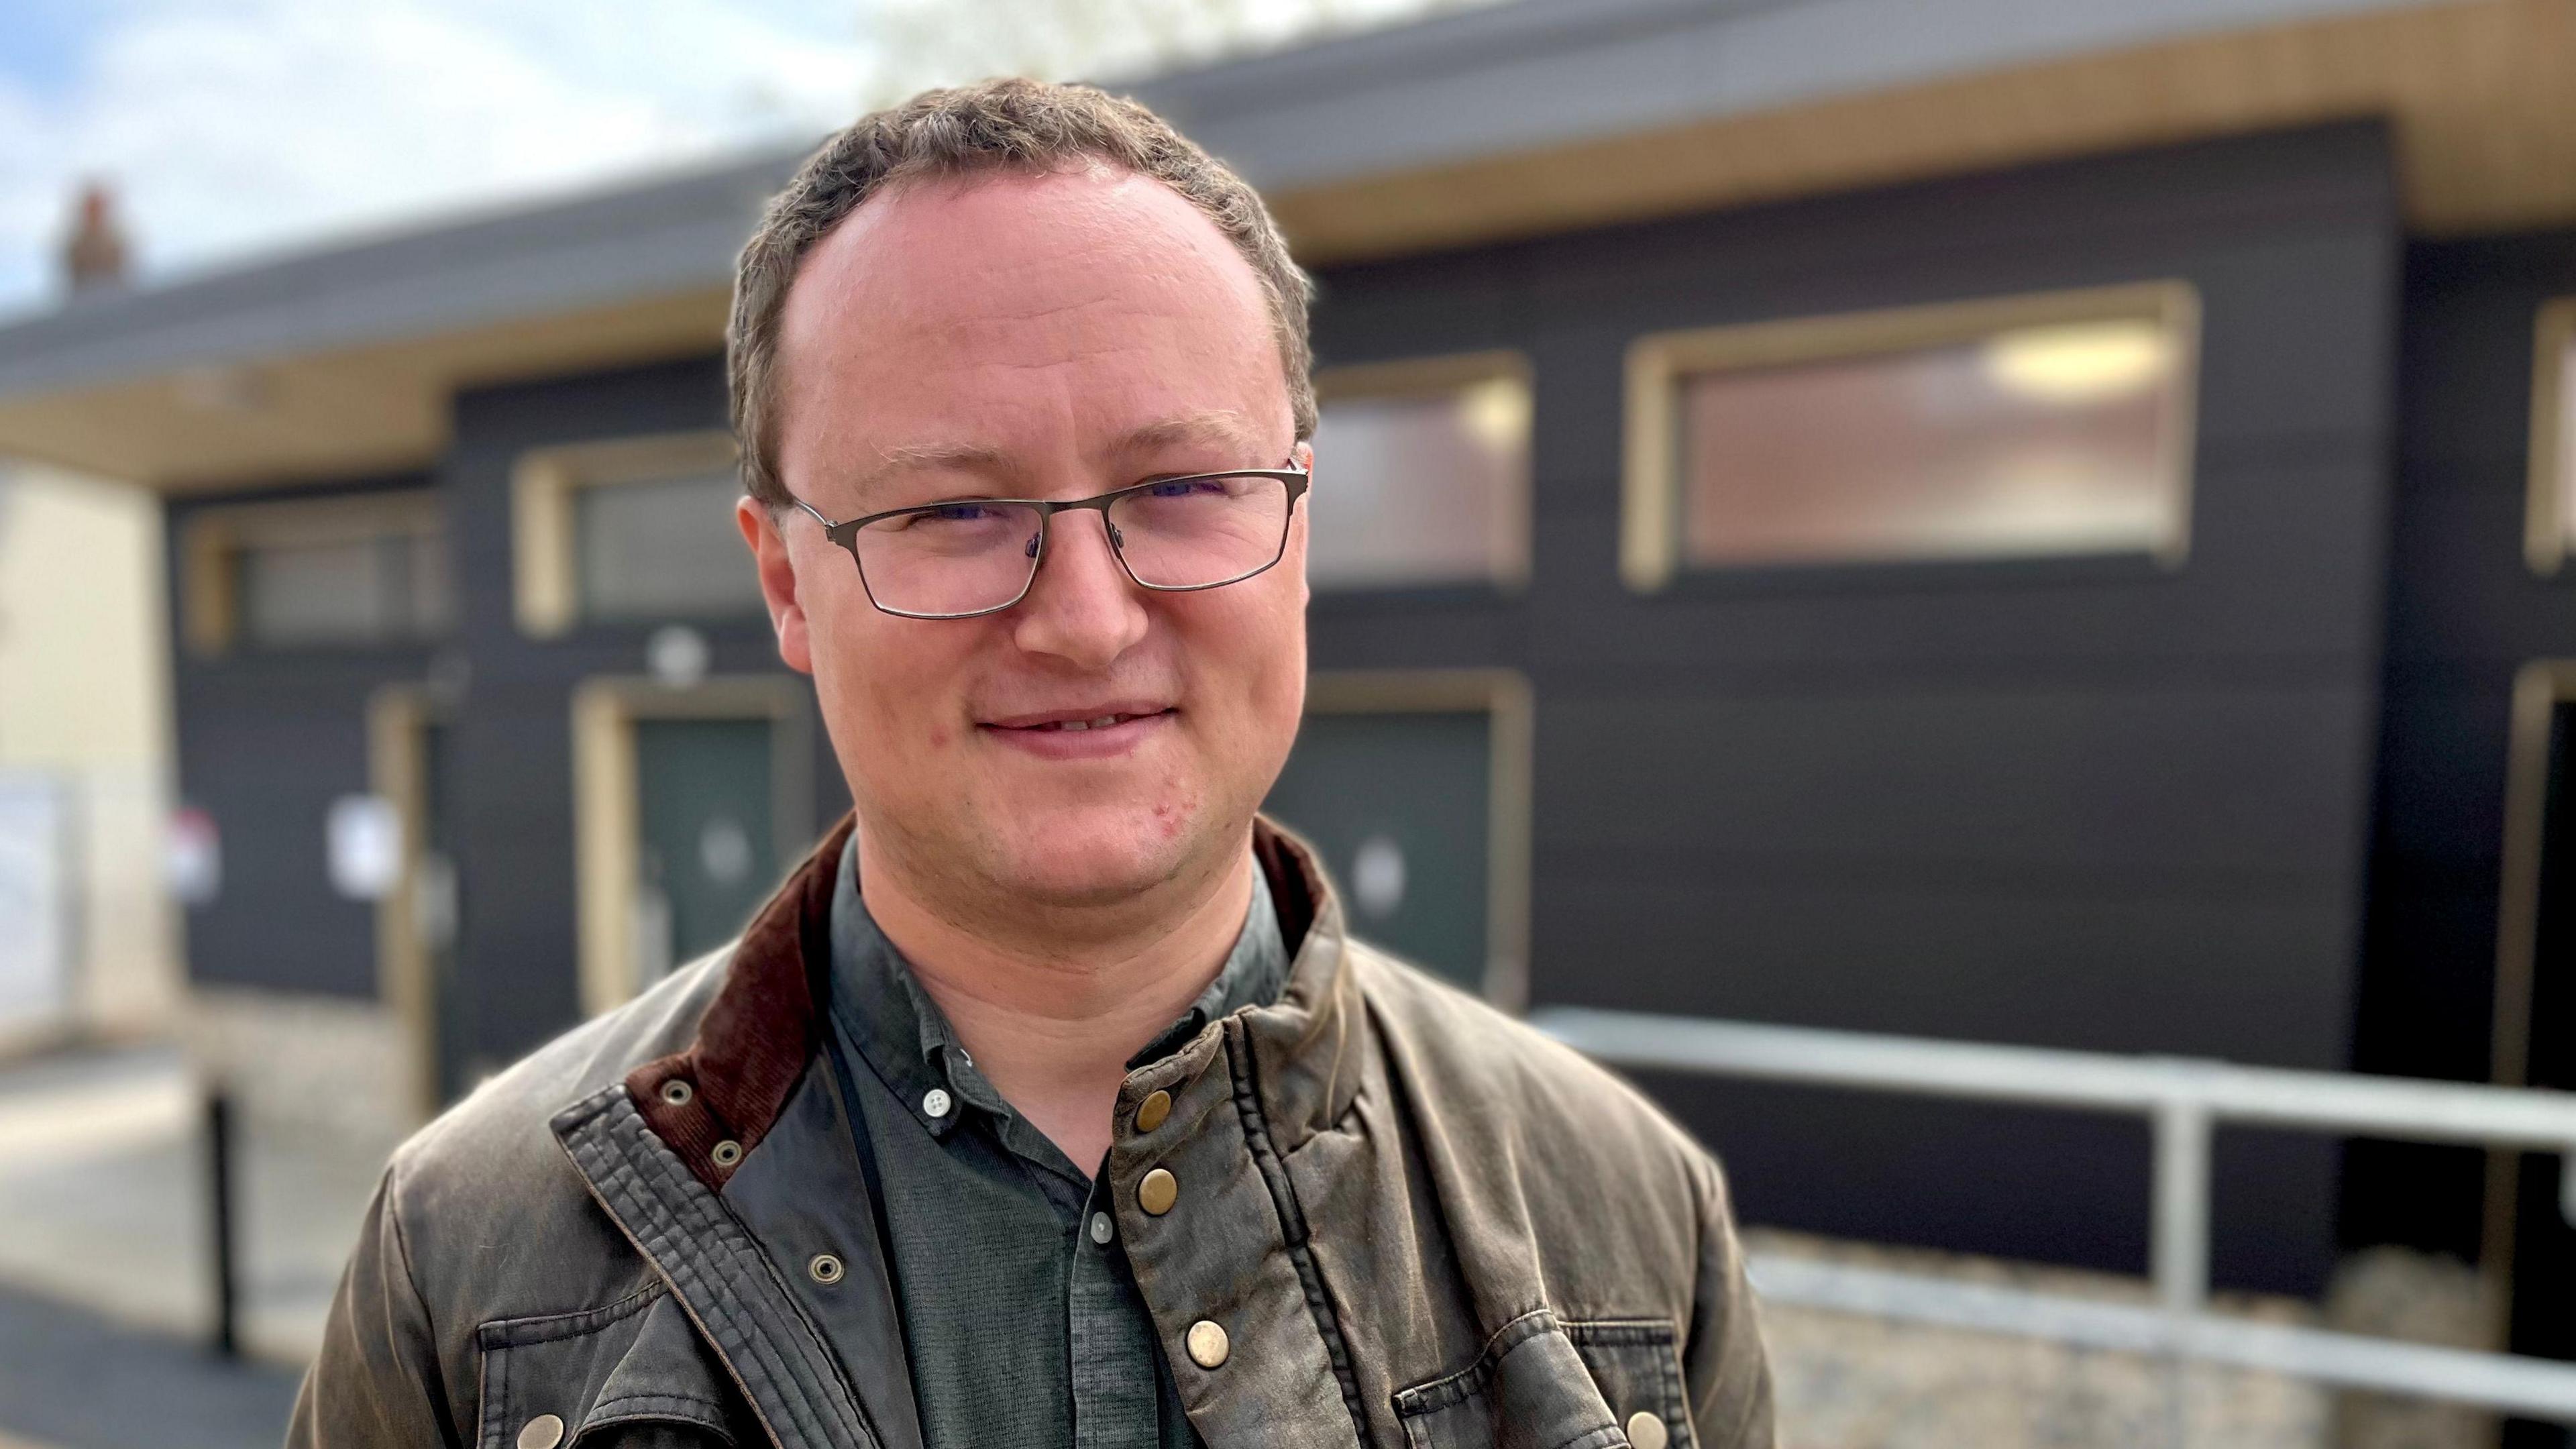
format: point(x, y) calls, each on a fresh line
point(1417, 1222)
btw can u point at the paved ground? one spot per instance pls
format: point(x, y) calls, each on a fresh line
point(105, 1283)
point(70, 1379)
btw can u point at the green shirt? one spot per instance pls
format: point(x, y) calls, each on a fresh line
point(1019, 1310)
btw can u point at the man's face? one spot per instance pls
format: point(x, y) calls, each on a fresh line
point(1051, 336)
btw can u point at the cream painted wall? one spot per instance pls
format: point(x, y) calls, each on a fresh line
point(84, 671)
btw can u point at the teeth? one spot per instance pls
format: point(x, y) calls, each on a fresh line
point(1102, 723)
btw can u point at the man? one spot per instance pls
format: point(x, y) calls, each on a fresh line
point(1048, 1103)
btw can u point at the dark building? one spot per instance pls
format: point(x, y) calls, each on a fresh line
point(1923, 526)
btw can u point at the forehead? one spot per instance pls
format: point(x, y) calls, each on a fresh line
point(1020, 311)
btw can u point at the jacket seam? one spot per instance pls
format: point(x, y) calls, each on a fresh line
point(419, 1301)
point(537, 1328)
point(1292, 1220)
point(1465, 1383)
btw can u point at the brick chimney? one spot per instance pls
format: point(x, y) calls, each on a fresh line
point(94, 255)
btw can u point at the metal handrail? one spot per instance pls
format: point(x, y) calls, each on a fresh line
point(2183, 1098)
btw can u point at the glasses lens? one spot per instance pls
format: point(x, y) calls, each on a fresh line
point(956, 558)
point(1192, 532)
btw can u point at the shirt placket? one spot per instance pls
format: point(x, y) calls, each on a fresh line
point(1116, 1401)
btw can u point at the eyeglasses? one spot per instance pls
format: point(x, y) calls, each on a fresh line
point(971, 556)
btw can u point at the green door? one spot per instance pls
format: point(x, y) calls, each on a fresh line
point(709, 853)
point(1399, 805)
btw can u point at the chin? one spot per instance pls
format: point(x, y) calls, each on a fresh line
point(1093, 854)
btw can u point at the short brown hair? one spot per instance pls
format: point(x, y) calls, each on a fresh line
point(992, 126)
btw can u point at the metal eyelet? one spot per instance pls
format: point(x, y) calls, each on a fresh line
point(678, 1092)
point(826, 1269)
point(727, 1153)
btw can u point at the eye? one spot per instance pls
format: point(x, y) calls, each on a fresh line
point(949, 513)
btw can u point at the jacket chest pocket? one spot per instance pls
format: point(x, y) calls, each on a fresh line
point(628, 1376)
point(1542, 1384)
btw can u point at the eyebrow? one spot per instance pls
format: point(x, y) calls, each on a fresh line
point(1215, 425)
point(1221, 426)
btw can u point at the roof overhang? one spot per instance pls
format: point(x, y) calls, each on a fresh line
point(1514, 121)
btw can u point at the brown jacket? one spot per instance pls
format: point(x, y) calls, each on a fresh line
point(1419, 1223)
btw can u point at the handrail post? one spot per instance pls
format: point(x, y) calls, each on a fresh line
point(2179, 1245)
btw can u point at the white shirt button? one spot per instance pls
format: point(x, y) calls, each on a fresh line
point(1102, 1230)
point(935, 1102)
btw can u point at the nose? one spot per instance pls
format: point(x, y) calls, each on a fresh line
point(1081, 608)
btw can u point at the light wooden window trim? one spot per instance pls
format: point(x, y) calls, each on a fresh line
point(2546, 524)
point(1652, 483)
point(607, 809)
point(2539, 688)
point(1503, 695)
point(398, 720)
point(212, 540)
point(1404, 379)
point(545, 533)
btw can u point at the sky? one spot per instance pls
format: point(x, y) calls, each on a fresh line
point(229, 128)
point(233, 129)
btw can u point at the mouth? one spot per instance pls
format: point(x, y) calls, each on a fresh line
point(1108, 721)
point(1100, 730)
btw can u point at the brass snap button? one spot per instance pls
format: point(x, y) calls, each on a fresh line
point(677, 1092)
point(544, 1431)
point(1158, 1192)
point(1151, 1112)
point(1209, 1348)
point(727, 1153)
point(825, 1268)
point(1646, 1431)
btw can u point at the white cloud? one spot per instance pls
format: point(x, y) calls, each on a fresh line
point(235, 126)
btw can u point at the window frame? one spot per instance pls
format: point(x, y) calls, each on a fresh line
point(1652, 482)
point(545, 526)
point(1504, 697)
point(2546, 522)
point(213, 539)
point(398, 720)
point(1441, 375)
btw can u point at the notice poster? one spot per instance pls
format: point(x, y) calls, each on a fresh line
point(35, 902)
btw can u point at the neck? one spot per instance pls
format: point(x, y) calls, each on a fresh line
point(1053, 1005)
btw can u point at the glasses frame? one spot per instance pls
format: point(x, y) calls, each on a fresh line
point(845, 533)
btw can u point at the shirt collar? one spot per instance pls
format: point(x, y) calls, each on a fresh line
point(905, 1038)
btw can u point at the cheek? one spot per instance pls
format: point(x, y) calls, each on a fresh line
point(1257, 646)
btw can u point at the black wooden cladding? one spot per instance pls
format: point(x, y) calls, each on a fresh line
point(2089, 803)
point(2092, 804)
point(266, 741)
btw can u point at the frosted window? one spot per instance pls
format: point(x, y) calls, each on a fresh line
point(1427, 488)
point(384, 588)
point(664, 548)
point(2041, 440)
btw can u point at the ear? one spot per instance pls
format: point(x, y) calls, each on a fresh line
point(777, 581)
point(1303, 456)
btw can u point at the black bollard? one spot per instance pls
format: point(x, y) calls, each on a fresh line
point(219, 1216)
